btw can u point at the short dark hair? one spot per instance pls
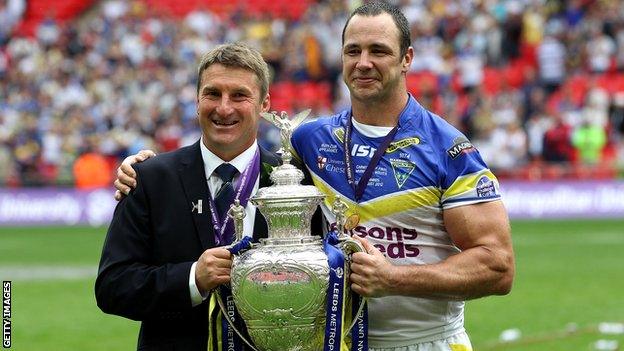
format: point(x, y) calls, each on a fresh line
point(376, 8)
point(237, 55)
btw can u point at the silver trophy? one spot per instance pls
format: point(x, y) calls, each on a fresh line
point(280, 285)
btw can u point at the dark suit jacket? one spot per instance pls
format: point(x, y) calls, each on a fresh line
point(152, 241)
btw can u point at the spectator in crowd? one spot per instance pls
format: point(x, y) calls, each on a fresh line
point(506, 146)
point(557, 146)
point(600, 50)
point(551, 55)
point(11, 12)
point(589, 140)
point(536, 128)
point(91, 168)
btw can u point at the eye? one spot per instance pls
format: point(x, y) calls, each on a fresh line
point(211, 93)
point(352, 51)
point(379, 52)
point(239, 96)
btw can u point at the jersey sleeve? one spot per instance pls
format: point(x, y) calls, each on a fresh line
point(465, 178)
point(298, 139)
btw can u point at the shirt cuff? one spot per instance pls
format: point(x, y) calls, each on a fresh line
point(196, 297)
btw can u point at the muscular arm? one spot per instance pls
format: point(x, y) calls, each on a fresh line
point(484, 267)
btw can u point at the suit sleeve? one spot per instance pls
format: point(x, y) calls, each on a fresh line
point(130, 282)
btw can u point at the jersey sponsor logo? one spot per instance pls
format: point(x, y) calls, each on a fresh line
point(391, 241)
point(461, 145)
point(403, 143)
point(485, 187)
point(336, 166)
point(362, 151)
point(357, 150)
point(321, 162)
point(402, 170)
point(339, 134)
point(330, 148)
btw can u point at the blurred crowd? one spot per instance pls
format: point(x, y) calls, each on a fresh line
point(527, 80)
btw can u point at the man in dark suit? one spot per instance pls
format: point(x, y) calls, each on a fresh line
point(162, 255)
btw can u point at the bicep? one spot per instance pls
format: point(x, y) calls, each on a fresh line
point(479, 225)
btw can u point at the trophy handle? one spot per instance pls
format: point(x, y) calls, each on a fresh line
point(231, 322)
point(350, 246)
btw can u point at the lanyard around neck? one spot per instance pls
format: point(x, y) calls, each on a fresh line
point(359, 187)
point(244, 187)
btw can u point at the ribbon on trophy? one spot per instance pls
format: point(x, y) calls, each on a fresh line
point(359, 332)
point(227, 338)
point(336, 302)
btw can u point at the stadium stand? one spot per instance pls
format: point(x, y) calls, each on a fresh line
point(534, 84)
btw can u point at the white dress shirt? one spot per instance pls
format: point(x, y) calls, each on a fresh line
point(211, 162)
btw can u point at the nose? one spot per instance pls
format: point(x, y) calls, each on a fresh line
point(225, 107)
point(364, 61)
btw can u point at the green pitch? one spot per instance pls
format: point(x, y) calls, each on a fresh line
point(570, 278)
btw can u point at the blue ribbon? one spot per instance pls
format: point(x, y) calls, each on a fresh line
point(359, 333)
point(241, 246)
point(335, 299)
point(229, 339)
point(335, 293)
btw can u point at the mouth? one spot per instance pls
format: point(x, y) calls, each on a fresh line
point(220, 123)
point(365, 80)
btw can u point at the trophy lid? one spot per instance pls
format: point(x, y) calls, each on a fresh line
point(287, 186)
point(286, 178)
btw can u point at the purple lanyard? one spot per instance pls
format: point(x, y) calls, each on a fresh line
point(359, 187)
point(244, 186)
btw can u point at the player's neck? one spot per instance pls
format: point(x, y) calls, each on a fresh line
point(380, 114)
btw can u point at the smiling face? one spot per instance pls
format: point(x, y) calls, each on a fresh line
point(229, 103)
point(372, 65)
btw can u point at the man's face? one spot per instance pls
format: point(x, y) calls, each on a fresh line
point(372, 64)
point(228, 108)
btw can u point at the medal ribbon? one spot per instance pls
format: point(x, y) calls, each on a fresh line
point(335, 293)
point(359, 187)
point(224, 227)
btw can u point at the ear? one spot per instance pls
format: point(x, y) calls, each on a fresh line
point(266, 103)
point(407, 59)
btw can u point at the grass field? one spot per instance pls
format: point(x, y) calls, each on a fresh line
point(570, 278)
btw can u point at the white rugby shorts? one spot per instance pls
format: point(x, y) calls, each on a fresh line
point(457, 342)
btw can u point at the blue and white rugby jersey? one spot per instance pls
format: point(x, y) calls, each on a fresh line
point(430, 166)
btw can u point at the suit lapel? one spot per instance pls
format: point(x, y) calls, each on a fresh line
point(195, 185)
